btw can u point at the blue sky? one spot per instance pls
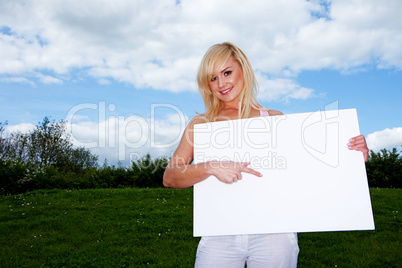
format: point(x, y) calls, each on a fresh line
point(126, 69)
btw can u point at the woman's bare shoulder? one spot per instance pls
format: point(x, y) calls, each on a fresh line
point(198, 119)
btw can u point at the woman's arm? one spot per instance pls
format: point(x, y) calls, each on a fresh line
point(180, 173)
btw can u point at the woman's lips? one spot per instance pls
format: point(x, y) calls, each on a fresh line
point(226, 91)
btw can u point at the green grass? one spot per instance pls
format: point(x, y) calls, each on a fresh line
point(153, 228)
point(379, 248)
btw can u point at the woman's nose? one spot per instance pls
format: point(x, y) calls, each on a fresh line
point(221, 81)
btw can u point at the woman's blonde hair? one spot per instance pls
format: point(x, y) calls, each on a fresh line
point(220, 53)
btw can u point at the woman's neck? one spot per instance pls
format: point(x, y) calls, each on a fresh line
point(233, 105)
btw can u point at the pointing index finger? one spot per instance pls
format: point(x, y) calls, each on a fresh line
point(251, 171)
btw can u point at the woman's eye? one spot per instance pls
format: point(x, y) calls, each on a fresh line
point(227, 73)
point(213, 79)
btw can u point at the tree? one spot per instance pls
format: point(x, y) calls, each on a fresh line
point(4, 142)
point(384, 169)
point(79, 159)
point(13, 147)
point(48, 144)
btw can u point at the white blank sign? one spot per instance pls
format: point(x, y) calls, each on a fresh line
point(311, 180)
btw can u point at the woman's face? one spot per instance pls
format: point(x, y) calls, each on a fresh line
point(229, 81)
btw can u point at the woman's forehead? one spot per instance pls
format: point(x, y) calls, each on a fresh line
point(222, 64)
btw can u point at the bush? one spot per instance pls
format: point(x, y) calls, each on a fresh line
point(149, 173)
point(14, 177)
point(384, 169)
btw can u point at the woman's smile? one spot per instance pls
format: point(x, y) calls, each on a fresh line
point(226, 91)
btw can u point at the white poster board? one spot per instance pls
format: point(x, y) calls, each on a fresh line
point(311, 180)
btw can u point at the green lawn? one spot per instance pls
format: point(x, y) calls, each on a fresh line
point(153, 228)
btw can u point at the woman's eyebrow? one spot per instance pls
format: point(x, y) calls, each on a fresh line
point(223, 70)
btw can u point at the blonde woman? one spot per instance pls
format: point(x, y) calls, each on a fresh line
point(228, 86)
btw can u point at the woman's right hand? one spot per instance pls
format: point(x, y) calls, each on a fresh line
point(181, 173)
point(229, 171)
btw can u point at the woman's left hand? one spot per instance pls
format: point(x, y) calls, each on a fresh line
point(358, 143)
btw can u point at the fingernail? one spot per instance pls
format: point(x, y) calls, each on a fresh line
point(260, 175)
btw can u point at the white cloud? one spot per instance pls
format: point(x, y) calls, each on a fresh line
point(21, 80)
point(281, 89)
point(126, 138)
point(47, 79)
point(387, 138)
point(23, 128)
point(104, 82)
point(158, 44)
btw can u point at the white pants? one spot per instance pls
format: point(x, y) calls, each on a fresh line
point(262, 250)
